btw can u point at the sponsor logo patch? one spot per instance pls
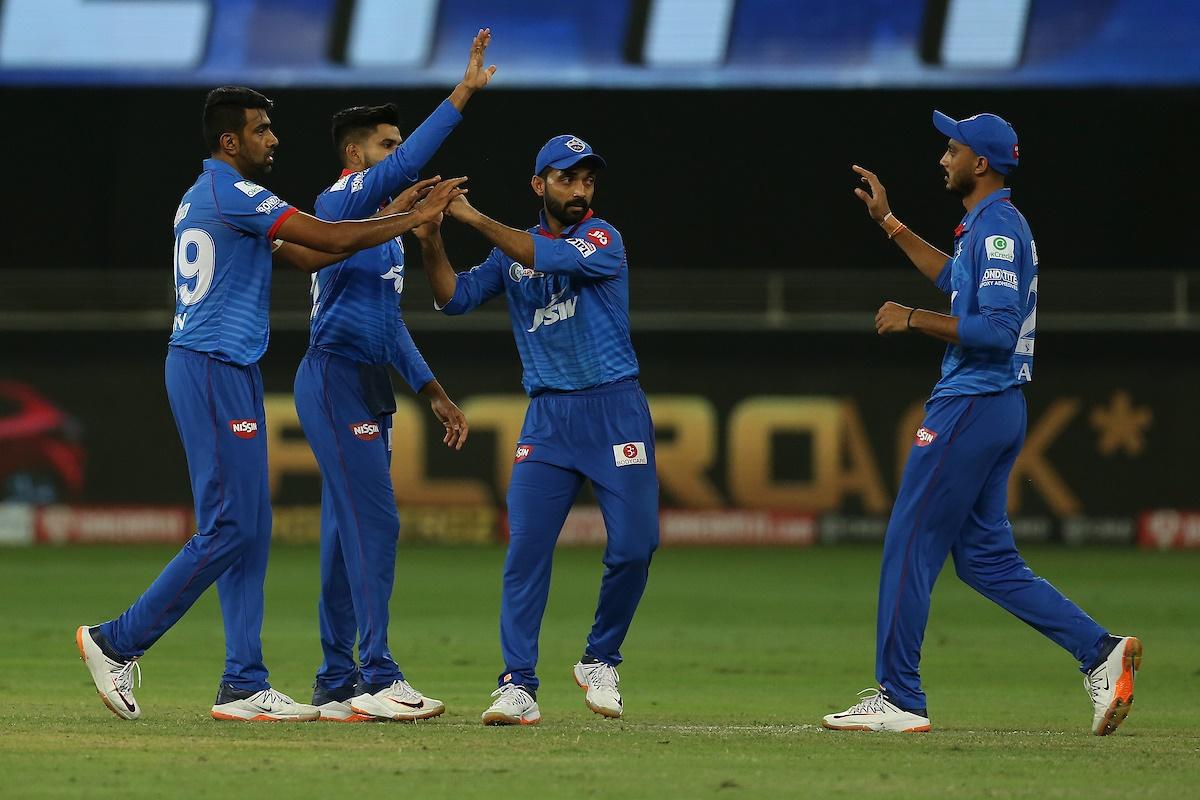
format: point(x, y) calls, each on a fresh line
point(244, 428)
point(182, 212)
point(925, 437)
point(1000, 248)
point(248, 188)
point(356, 184)
point(518, 272)
point(340, 184)
point(367, 431)
point(599, 236)
point(999, 277)
point(630, 453)
point(269, 205)
point(584, 247)
point(523, 452)
point(575, 144)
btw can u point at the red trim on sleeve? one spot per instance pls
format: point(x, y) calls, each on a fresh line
point(279, 221)
point(346, 172)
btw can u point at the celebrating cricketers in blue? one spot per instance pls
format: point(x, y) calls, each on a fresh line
point(954, 493)
point(345, 403)
point(566, 281)
point(224, 232)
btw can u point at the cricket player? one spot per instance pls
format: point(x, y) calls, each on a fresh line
point(566, 281)
point(224, 229)
point(345, 402)
point(953, 496)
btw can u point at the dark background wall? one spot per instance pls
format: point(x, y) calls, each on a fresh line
point(712, 180)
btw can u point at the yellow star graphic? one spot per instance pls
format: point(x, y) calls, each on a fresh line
point(1121, 426)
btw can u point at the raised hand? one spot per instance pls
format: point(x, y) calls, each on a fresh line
point(876, 200)
point(476, 77)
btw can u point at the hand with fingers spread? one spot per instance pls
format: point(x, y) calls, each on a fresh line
point(408, 199)
point(442, 194)
point(876, 199)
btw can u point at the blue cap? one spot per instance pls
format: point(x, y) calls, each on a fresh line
point(562, 152)
point(988, 135)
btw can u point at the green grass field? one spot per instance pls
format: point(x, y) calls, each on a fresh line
point(733, 658)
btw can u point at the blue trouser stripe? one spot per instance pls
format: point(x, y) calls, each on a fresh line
point(233, 517)
point(359, 521)
point(953, 500)
point(572, 438)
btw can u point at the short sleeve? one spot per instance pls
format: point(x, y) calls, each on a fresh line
point(251, 208)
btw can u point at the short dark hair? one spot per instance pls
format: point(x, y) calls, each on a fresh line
point(354, 123)
point(225, 112)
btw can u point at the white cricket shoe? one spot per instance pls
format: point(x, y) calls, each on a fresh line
point(1110, 685)
point(113, 679)
point(396, 701)
point(875, 713)
point(335, 711)
point(334, 705)
point(513, 706)
point(267, 705)
point(600, 681)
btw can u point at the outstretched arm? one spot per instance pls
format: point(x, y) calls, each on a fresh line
point(924, 256)
point(343, 238)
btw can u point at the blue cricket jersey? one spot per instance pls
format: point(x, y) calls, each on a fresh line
point(569, 309)
point(223, 231)
point(992, 282)
point(356, 302)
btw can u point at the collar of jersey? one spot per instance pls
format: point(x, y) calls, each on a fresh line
point(994, 197)
point(218, 164)
point(543, 231)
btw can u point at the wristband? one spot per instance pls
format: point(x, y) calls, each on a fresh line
point(899, 227)
point(908, 324)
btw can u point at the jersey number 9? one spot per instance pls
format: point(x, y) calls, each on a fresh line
point(195, 257)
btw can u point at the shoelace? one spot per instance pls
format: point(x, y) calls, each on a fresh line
point(1093, 683)
point(602, 676)
point(511, 693)
point(268, 698)
point(872, 703)
point(123, 680)
point(405, 690)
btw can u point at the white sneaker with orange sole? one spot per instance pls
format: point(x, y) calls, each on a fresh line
point(267, 705)
point(874, 712)
point(600, 681)
point(1110, 685)
point(113, 679)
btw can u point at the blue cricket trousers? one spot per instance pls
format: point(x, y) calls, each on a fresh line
point(953, 501)
point(218, 409)
point(604, 435)
point(359, 521)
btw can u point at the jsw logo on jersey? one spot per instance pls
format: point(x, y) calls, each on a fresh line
point(367, 431)
point(554, 312)
point(523, 452)
point(244, 428)
point(925, 437)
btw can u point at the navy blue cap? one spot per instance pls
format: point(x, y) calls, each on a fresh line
point(562, 152)
point(987, 134)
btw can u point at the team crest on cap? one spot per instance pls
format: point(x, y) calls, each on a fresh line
point(575, 144)
point(1016, 151)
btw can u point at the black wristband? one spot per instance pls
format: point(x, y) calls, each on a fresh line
point(908, 324)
